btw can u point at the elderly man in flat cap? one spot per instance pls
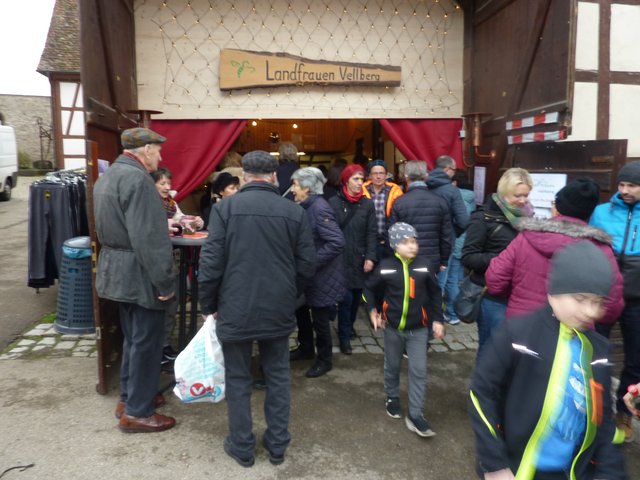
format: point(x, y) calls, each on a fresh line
point(620, 218)
point(257, 260)
point(135, 271)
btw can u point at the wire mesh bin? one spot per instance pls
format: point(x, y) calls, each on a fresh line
point(75, 295)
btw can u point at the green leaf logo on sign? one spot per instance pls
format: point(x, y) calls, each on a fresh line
point(241, 67)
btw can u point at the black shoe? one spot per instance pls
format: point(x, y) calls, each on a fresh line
point(345, 347)
point(260, 384)
point(273, 458)
point(299, 354)
point(419, 426)
point(243, 462)
point(318, 370)
point(169, 354)
point(393, 407)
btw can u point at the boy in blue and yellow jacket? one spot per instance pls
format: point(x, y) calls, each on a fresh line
point(539, 400)
point(402, 296)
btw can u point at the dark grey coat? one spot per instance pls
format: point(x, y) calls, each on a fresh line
point(135, 261)
point(429, 214)
point(259, 257)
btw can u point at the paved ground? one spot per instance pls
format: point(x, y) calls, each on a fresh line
point(20, 305)
point(52, 417)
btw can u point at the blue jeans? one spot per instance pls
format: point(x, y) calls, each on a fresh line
point(492, 314)
point(414, 342)
point(347, 311)
point(274, 359)
point(630, 327)
point(449, 282)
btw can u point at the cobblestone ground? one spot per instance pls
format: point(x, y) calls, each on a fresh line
point(43, 339)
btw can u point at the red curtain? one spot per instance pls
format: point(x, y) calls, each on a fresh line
point(194, 148)
point(426, 139)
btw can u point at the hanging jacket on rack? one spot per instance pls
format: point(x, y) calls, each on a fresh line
point(57, 212)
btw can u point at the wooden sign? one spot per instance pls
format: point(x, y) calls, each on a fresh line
point(247, 69)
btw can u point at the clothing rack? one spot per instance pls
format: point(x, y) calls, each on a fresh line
point(57, 212)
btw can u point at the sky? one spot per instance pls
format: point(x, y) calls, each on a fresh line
point(24, 25)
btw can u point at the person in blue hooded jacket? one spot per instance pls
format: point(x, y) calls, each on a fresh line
point(620, 218)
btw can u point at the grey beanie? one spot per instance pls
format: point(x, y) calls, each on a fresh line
point(259, 162)
point(630, 173)
point(399, 231)
point(580, 268)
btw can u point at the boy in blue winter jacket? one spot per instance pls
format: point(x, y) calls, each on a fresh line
point(539, 399)
point(402, 296)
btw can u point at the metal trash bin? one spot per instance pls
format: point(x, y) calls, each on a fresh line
point(75, 294)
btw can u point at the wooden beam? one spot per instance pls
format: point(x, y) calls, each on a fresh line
point(487, 9)
point(621, 78)
point(106, 52)
point(604, 70)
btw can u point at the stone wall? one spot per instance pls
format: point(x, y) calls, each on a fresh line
point(21, 112)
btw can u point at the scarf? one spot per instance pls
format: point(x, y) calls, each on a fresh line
point(170, 206)
point(513, 214)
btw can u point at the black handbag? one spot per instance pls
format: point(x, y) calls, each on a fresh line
point(467, 303)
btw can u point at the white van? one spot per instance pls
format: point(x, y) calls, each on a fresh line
point(8, 162)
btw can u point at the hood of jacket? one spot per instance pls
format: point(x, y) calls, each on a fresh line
point(568, 229)
point(437, 178)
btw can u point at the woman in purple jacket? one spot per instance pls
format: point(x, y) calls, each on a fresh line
point(521, 270)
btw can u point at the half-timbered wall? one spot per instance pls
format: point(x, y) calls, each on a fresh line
point(69, 124)
point(607, 89)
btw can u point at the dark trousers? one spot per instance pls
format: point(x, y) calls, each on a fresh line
point(316, 319)
point(50, 224)
point(141, 354)
point(347, 312)
point(630, 328)
point(274, 358)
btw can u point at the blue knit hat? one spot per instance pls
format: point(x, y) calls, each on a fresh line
point(376, 163)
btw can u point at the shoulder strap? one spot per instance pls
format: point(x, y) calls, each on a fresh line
point(345, 221)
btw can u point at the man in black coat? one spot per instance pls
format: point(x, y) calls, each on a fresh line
point(428, 213)
point(255, 263)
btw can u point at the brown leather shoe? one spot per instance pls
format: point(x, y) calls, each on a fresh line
point(159, 401)
point(154, 423)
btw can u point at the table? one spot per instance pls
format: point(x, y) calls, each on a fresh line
point(189, 246)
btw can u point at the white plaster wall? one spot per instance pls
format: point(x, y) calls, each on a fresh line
point(178, 44)
point(585, 102)
point(587, 36)
point(625, 116)
point(625, 38)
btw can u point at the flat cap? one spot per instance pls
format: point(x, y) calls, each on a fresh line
point(259, 162)
point(139, 137)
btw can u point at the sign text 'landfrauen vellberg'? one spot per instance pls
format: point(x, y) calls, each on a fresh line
point(247, 69)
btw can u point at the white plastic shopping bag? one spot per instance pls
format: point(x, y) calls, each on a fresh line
point(199, 369)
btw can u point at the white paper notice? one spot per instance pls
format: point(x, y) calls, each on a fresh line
point(545, 187)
